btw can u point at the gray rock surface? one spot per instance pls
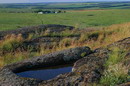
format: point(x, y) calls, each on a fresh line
point(85, 71)
point(8, 76)
point(88, 70)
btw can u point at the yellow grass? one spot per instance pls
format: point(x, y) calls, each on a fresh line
point(94, 39)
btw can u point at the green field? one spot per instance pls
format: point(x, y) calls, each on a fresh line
point(82, 15)
point(82, 19)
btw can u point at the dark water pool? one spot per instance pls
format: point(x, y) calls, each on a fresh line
point(46, 74)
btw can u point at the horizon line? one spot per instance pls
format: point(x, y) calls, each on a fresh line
point(62, 2)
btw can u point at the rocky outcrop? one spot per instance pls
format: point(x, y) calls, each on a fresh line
point(85, 71)
point(25, 31)
point(124, 44)
point(49, 60)
point(125, 84)
point(88, 66)
point(8, 78)
point(89, 69)
point(48, 41)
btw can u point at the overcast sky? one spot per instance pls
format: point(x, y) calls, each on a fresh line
point(33, 1)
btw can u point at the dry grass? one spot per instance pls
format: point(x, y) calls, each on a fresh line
point(10, 43)
point(93, 39)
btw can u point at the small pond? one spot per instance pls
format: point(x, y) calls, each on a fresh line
point(46, 74)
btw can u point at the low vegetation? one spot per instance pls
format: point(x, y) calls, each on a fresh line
point(12, 47)
point(100, 23)
point(115, 71)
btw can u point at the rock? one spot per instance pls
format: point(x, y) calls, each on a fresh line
point(88, 70)
point(47, 41)
point(127, 59)
point(25, 31)
point(123, 44)
point(85, 71)
point(125, 84)
point(8, 76)
point(49, 60)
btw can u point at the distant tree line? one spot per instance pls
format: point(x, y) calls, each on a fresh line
point(49, 11)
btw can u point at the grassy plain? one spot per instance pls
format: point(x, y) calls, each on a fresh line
point(82, 18)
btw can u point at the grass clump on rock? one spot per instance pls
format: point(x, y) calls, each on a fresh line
point(115, 71)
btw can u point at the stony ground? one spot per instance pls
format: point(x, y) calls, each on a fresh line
point(88, 65)
point(86, 70)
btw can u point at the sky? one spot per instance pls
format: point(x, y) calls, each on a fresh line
point(35, 1)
